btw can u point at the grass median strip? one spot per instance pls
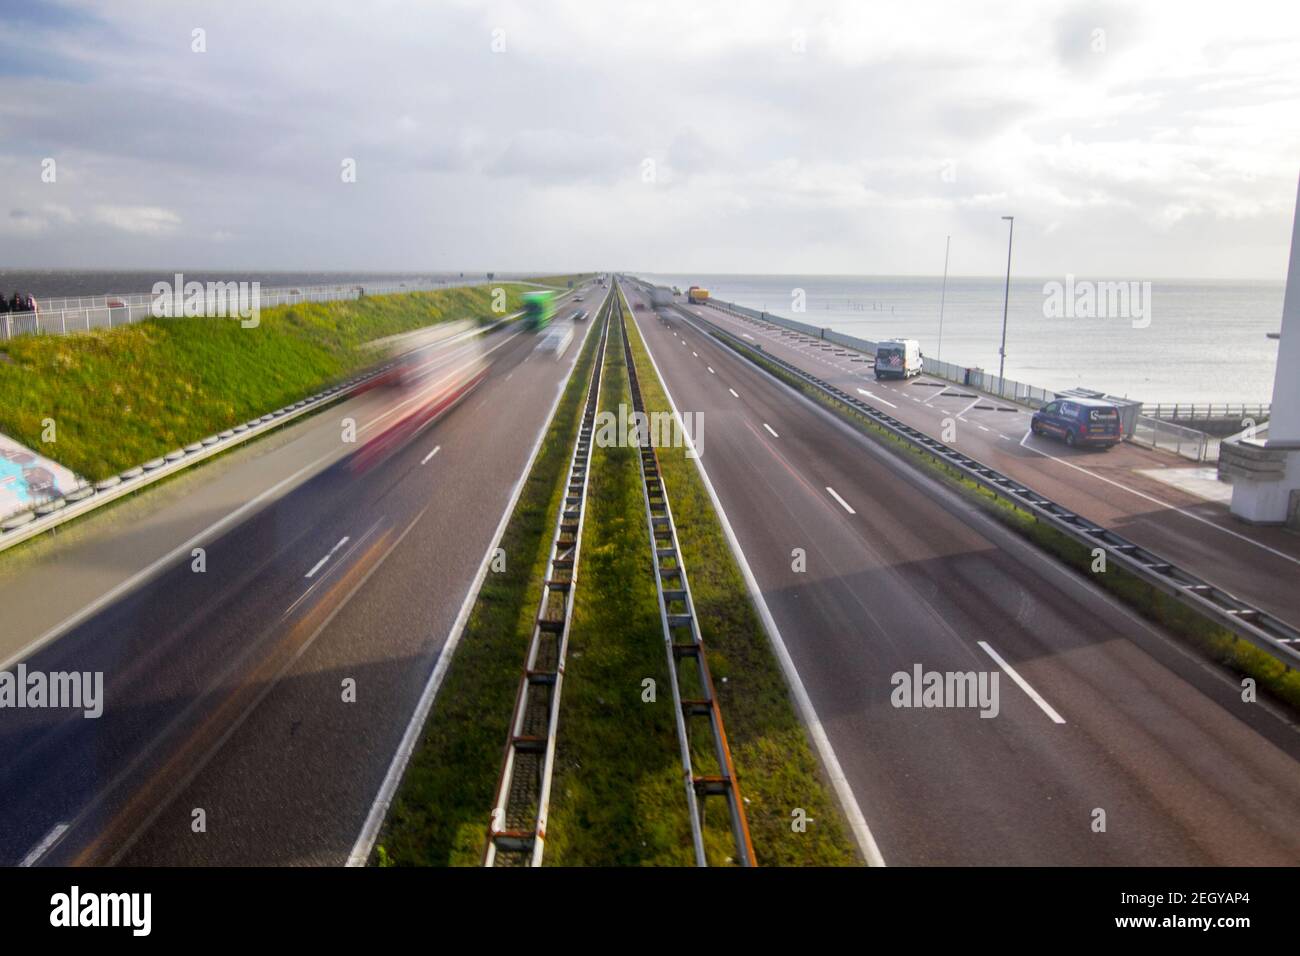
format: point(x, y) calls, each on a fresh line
point(120, 397)
point(1210, 639)
point(774, 760)
point(439, 815)
point(617, 798)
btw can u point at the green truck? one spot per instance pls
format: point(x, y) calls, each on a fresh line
point(539, 309)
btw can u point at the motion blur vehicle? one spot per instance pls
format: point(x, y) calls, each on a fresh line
point(556, 340)
point(539, 309)
point(1079, 421)
point(899, 358)
point(432, 370)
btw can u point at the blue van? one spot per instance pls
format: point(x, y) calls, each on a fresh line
point(1078, 421)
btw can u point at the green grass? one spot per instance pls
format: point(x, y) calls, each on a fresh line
point(774, 760)
point(439, 816)
point(120, 397)
point(1212, 640)
point(617, 797)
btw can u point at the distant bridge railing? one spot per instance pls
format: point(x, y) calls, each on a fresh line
point(69, 315)
point(1206, 411)
point(1156, 425)
point(1010, 389)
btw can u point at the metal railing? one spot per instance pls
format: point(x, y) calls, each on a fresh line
point(684, 644)
point(517, 831)
point(1202, 411)
point(1005, 388)
point(69, 315)
point(1167, 436)
point(1010, 390)
point(46, 515)
point(1255, 625)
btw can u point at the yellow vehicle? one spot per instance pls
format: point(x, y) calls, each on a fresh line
point(697, 295)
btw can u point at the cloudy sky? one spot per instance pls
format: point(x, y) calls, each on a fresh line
point(1160, 140)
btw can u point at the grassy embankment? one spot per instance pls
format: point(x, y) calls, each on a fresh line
point(774, 760)
point(1210, 639)
point(122, 396)
point(562, 282)
point(439, 816)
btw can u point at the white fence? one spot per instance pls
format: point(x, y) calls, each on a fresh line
point(64, 316)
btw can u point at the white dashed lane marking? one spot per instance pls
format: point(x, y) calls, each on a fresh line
point(844, 504)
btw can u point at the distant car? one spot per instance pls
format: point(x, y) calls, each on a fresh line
point(1078, 421)
point(579, 315)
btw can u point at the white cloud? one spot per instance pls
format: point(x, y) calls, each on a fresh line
point(1115, 160)
point(138, 220)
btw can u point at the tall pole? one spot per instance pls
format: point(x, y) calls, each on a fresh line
point(1006, 295)
point(942, 296)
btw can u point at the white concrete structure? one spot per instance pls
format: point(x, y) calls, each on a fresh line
point(1265, 475)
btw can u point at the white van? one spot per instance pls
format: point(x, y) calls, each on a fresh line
point(898, 358)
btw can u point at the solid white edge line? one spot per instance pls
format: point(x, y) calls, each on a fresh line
point(771, 430)
point(379, 809)
point(1023, 684)
point(843, 790)
point(843, 504)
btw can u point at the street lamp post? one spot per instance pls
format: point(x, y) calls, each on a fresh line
point(943, 295)
point(1006, 295)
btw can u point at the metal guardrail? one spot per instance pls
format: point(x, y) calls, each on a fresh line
point(517, 831)
point(1201, 411)
point(47, 515)
point(1008, 389)
point(73, 314)
point(684, 643)
point(1258, 627)
point(1167, 436)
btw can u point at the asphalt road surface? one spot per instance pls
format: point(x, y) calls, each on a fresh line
point(252, 710)
point(1258, 564)
point(1105, 714)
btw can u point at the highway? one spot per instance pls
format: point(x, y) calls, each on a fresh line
point(1100, 712)
point(269, 692)
point(1115, 488)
